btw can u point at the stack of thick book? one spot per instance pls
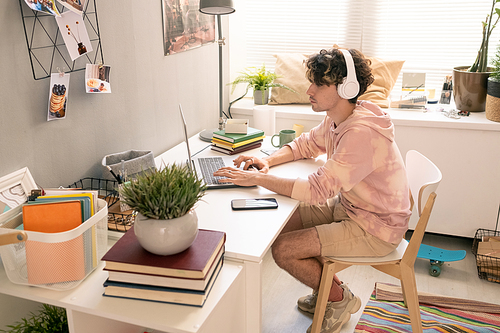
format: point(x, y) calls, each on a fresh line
point(232, 143)
point(182, 278)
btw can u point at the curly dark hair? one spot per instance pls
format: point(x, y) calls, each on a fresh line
point(329, 67)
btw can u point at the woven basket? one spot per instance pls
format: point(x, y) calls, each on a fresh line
point(493, 101)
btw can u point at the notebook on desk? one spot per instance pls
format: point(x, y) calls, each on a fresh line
point(206, 166)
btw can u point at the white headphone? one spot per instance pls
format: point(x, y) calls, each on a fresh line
point(349, 88)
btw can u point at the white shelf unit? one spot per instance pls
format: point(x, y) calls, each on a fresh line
point(89, 311)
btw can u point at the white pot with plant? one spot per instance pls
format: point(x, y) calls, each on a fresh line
point(469, 83)
point(260, 80)
point(164, 200)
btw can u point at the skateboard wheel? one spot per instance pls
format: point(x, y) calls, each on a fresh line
point(435, 270)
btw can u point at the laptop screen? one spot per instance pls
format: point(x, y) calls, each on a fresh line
point(186, 138)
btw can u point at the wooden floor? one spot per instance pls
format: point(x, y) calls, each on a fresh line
point(457, 279)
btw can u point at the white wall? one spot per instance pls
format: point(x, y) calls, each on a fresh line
point(140, 113)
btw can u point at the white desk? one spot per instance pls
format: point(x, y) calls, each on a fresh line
point(249, 234)
point(234, 304)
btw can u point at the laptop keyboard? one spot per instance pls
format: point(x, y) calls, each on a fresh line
point(208, 166)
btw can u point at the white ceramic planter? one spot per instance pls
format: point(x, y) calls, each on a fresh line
point(166, 237)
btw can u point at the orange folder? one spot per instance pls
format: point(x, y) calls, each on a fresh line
point(54, 262)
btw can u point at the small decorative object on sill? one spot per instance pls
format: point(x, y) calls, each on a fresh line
point(453, 114)
point(446, 91)
point(417, 102)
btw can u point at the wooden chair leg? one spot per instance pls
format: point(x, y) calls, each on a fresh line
point(323, 293)
point(409, 287)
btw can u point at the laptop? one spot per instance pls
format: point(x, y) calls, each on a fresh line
point(206, 166)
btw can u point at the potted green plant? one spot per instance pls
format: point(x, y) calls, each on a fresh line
point(469, 82)
point(492, 107)
point(164, 201)
point(260, 80)
point(49, 319)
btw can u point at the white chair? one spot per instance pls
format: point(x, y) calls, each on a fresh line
point(424, 178)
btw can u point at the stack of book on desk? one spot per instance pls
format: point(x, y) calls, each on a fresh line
point(182, 278)
point(231, 143)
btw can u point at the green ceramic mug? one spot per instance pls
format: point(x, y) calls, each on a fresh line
point(285, 136)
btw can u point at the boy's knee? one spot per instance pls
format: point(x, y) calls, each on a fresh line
point(277, 250)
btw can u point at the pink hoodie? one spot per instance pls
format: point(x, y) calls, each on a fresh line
point(364, 165)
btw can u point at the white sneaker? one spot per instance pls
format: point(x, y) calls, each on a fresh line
point(339, 313)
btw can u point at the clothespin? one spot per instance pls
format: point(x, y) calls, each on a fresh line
point(61, 73)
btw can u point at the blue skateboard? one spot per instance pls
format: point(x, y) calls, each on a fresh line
point(438, 257)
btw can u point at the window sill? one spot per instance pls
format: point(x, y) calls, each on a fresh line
point(414, 118)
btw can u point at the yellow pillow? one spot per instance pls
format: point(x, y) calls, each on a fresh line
point(291, 68)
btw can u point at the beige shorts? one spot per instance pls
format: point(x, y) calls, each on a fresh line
point(338, 234)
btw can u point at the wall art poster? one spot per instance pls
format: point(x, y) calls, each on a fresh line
point(185, 27)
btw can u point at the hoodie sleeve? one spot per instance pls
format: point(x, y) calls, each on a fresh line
point(311, 144)
point(348, 164)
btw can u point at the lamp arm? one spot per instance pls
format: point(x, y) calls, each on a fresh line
point(221, 42)
point(234, 101)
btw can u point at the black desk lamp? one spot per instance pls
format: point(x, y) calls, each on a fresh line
point(217, 7)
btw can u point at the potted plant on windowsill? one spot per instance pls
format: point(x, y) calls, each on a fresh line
point(493, 92)
point(164, 200)
point(469, 83)
point(260, 80)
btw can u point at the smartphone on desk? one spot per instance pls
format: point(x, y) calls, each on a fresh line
point(249, 204)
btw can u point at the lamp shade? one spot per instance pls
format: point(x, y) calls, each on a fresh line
point(216, 7)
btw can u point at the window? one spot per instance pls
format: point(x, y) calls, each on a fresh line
point(432, 36)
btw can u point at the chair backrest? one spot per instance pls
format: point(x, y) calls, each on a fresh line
point(424, 178)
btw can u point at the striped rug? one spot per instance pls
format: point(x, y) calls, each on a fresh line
point(388, 316)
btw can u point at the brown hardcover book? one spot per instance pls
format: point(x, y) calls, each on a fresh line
point(127, 255)
point(236, 150)
point(165, 281)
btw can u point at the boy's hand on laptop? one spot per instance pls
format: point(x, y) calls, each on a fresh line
point(237, 176)
point(251, 162)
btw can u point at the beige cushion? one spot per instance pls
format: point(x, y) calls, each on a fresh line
point(292, 71)
point(291, 68)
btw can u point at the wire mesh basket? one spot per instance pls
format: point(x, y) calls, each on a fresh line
point(118, 220)
point(488, 265)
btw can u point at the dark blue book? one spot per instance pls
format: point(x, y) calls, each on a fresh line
point(162, 294)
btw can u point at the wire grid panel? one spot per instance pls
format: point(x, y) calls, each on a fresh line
point(46, 48)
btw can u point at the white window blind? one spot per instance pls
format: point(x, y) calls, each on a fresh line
point(432, 36)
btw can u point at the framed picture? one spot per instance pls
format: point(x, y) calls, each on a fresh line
point(185, 27)
point(14, 191)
